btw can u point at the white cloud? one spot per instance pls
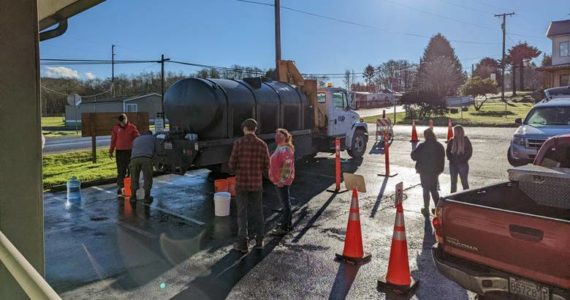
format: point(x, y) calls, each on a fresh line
point(58, 72)
point(90, 75)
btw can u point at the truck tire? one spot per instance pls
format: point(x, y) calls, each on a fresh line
point(359, 142)
point(514, 162)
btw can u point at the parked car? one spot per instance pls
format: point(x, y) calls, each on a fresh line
point(547, 118)
point(511, 239)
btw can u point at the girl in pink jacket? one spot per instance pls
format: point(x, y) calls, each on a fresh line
point(281, 174)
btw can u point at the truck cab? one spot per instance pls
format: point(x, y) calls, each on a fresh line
point(342, 121)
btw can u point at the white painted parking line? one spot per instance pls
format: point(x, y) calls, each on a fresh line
point(166, 211)
point(137, 230)
point(102, 189)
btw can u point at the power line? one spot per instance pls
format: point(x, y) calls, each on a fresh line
point(361, 24)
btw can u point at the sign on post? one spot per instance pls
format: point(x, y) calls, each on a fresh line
point(399, 194)
point(159, 122)
point(352, 181)
point(101, 124)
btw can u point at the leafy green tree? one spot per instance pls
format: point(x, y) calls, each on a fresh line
point(368, 75)
point(477, 86)
point(440, 68)
point(485, 67)
point(516, 56)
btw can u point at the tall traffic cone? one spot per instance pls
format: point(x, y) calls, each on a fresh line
point(353, 251)
point(414, 133)
point(449, 130)
point(127, 193)
point(398, 279)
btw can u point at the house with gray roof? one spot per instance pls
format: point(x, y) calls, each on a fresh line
point(151, 103)
point(558, 74)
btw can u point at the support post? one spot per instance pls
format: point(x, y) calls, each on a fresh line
point(21, 191)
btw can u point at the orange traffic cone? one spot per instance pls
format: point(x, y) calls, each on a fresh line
point(353, 251)
point(431, 124)
point(127, 187)
point(414, 133)
point(449, 130)
point(398, 279)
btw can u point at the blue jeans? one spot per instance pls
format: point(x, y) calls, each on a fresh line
point(285, 199)
point(463, 171)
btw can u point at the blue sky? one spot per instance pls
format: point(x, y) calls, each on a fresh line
point(227, 32)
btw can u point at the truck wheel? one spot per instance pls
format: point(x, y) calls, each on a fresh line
point(514, 162)
point(359, 142)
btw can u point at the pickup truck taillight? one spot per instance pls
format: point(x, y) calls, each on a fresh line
point(438, 224)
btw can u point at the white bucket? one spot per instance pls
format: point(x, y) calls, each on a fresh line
point(222, 204)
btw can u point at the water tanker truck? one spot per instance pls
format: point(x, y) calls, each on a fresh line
point(205, 117)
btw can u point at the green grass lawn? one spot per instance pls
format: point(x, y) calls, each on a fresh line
point(58, 168)
point(492, 114)
point(53, 122)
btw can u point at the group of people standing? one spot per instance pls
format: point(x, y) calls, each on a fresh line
point(430, 162)
point(134, 153)
point(249, 160)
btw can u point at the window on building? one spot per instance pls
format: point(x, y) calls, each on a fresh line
point(132, 107)
point(565, 49)
point(565, 79)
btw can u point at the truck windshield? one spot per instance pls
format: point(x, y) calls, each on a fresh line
point(544, 116)
point(321, 97)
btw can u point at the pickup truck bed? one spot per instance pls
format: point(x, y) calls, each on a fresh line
point(498, 240)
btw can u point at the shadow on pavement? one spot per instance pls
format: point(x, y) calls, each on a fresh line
point(218, 281)
point(343, 281)
point(379, 198)
point(377, 148)
point(429, 276)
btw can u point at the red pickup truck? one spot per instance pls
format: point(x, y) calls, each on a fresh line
point(511, 240)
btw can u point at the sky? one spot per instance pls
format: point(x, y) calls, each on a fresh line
point(320, 36)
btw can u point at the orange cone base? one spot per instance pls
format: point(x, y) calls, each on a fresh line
point(414, 141)
point(402, 290)
point(355, 260)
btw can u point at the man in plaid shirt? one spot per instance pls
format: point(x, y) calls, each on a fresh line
point(249, 159)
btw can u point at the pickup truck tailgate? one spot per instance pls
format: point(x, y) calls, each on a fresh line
point(530, 246)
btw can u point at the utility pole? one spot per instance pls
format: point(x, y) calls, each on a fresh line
point(277, 37)
point(162, 60)
point(112, 70)
point(504, 28)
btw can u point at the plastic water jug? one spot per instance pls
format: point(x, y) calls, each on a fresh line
point(73, 190)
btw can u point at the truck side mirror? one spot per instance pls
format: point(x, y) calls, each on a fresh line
point(518, 121)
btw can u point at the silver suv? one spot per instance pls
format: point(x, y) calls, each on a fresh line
point(549, 117)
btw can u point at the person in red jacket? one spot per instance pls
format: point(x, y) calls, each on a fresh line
point(281, 174)
point(122, 137)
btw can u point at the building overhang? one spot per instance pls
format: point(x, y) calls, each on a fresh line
point(555, 68)
point(52, 12)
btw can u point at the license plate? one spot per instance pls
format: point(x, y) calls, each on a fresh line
point(528, 289)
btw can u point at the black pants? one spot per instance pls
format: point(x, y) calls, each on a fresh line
point(284, 196)
point(429, 184)
point(123, 159)
point(253, 200)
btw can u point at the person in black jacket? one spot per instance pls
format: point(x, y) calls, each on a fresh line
point(459, 151)
point(430, 161)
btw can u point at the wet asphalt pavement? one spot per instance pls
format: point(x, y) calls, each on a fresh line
point(104, 248)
